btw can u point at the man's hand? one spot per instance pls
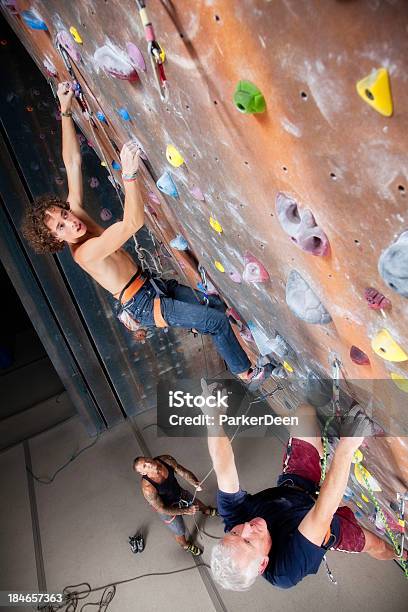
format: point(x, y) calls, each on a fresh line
point(129, 157)
point(65, 95)
point(191, 509)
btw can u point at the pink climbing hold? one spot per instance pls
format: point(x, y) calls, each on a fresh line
point(115, 64)
point(136, 56)
point(358, 356)
point(197, 193)
point(254, 270)
point(301, 226)
point(106, 214)
point(64, 39)
point(50, 69)
point(93, 183)
point(153, 197)
point(234, 275)
point(376, 300)
point(151, 210)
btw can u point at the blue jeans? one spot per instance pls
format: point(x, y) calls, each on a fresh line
point(184, 308)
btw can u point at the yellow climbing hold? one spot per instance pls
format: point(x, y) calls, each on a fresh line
point(287, 366)
point(216, 225)
point(75, 35)
point(173, 156)
point(376, 91)
point(385, 346)
point(360, 472)
point(358, 456)
point(219, 266)
point(104, 164)
point(359, 505)
point(364, 498)
point(400, 381)
point(162, 53)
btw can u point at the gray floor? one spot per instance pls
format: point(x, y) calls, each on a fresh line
point(86, 515)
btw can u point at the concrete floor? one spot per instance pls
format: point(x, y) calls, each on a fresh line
point(86, 515)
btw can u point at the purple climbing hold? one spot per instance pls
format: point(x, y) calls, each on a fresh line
point(358, 356)
point(179, 243)
point(136, 56)
point(301, 226)
point(11, 5)
point(115, 64)
point(123, 112)
point(106, 214)
point(197, 193)
point(33, 20)
point(93, 183)
point(153, 197)
point(254, 270)
point(376, 300)
point(64, 39)
point(303, 301)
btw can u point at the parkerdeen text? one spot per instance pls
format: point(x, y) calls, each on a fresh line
point(223, 419)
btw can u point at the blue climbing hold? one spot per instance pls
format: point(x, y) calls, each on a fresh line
point(167, 185)
point(264, 344)
point(124, 114)
point(179, 243)
point(101, 116)
point(115, 165)
point(33, 20)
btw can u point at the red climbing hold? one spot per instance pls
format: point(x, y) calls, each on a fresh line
point(254, 270)
point(376, 300)
point(358, 356)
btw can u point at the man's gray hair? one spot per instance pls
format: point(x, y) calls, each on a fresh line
point(227, 572)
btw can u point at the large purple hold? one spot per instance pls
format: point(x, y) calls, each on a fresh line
point(301, 226)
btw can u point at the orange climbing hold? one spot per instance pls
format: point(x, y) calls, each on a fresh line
point(376, 91)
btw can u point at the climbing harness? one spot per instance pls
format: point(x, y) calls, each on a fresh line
point(156, 53)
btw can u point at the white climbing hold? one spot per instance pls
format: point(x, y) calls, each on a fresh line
point(303, 301)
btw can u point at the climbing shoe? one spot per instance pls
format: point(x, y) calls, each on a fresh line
point(211, 511)
point(194, 550)
point(137, 543)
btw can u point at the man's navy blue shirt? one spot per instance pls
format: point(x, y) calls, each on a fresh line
point(292, 556)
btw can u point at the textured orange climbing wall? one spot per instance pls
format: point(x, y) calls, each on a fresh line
point(317, 142)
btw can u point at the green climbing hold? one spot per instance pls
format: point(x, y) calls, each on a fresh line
point(248, 98)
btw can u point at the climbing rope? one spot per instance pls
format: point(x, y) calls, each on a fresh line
point(155, 52)
point(336, 368)
point(148, 261)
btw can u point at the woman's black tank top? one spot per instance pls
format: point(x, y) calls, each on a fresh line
point(169, 490)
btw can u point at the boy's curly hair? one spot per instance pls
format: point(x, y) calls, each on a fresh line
point(34, 228)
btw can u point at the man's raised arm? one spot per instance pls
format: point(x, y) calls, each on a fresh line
point(71, 153)
point(115, 236)
point(220, 448)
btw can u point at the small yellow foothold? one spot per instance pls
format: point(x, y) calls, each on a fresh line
point(376, 91)
point(401, 522)
point(384, 345)
point(364, 498)
point(216, 225)
point(173, 156)
point(75, 35)
point(287, 366)
point(358, 456)
point(219, 266)
point(400, 381)
point(359, 505)
point(104, 164)
point(359, 472)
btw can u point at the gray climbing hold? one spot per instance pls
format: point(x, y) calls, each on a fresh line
point(282, 349)
point(393, 265)
point(303, 301)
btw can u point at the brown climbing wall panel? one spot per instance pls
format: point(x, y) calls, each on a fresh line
point(318, 143)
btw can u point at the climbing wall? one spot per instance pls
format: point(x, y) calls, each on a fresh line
point(276, 134)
